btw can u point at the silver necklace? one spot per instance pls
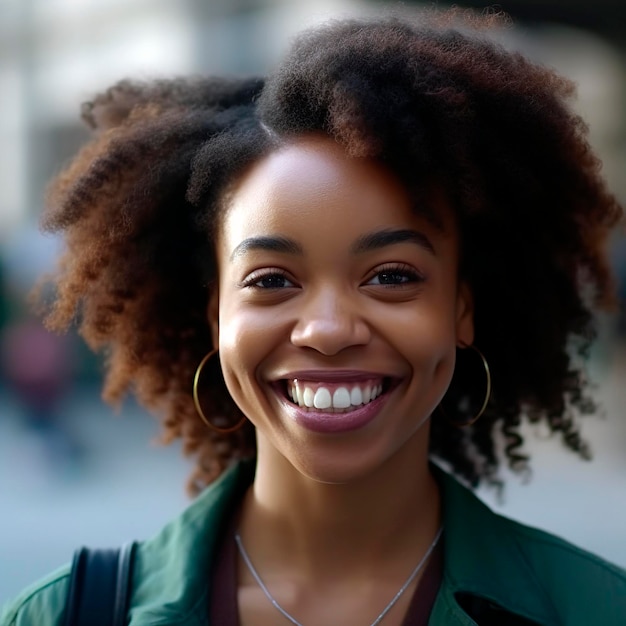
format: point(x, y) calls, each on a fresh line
point(293, 620)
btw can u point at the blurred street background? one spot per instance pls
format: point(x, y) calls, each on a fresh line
point(71, 471)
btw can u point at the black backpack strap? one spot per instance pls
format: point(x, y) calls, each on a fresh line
point(100, 587)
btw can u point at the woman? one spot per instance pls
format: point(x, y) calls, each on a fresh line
point(360, 243)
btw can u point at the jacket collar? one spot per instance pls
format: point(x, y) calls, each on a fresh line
point(482, 558)
point(172, 570)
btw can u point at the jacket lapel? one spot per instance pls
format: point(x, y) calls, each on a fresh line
point(484, 564)
point(482, 560)
point(172, 570)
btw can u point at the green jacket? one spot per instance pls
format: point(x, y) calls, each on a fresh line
point(496, 570)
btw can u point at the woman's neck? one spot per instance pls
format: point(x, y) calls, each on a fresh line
point(389, 516)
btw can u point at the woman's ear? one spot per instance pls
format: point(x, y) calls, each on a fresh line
point(464, 315)
point(213, 314)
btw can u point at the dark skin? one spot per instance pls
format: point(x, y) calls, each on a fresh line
point(358, 296)
point(320, 308)
point(140, 205)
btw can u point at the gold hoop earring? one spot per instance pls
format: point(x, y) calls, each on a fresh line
point(482, 409)
point(196, 400)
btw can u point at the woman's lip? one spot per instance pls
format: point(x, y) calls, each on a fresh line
point(332, 376)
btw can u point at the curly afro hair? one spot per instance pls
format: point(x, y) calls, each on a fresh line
point(433, 102)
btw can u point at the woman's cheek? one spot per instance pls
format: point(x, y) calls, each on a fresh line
point(245, 339)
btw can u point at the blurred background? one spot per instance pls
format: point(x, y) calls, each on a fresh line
point(72, 472)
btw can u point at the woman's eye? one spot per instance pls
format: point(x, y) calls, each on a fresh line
point(271, 280)
point(395, 276)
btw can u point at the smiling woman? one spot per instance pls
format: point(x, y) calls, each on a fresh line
point(318, 279)
point(341, 287)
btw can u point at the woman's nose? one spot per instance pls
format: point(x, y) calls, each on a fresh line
point(330, 323)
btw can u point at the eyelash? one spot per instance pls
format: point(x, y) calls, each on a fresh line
point(398, 269)
point(256, 277)
point(402, 270)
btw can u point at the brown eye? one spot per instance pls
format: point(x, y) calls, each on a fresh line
point(395, 275)
point(392, 278)
point(272, 279)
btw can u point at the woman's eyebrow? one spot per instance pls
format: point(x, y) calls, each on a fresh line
point(390, 237)
point(365, 243)
point(273, 244)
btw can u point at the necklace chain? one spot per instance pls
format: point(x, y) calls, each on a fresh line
point(293, 620)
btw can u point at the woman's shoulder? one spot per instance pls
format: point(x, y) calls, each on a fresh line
point(581, 587)
point(42, 603)
point(558, 560)
point(168, 569)
point(472, 520)
point(525, 570)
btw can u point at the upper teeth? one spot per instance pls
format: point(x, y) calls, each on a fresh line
point(319, 396)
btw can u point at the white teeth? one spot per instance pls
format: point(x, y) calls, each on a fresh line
point(322, 399)
point(367, 394)
point(341, 398)
point(356, 397)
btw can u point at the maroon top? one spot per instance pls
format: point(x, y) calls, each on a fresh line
point(223, 597)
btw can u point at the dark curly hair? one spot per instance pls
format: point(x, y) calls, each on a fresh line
point(436, 103)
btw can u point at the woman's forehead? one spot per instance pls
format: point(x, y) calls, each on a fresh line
point(313, 177)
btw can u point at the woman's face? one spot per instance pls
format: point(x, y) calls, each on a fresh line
point(338, 310)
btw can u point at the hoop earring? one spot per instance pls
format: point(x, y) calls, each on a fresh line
point(478, 415)
point(196, 400)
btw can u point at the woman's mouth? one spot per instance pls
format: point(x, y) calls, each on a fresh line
point(335, 403)
point(339, 397)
